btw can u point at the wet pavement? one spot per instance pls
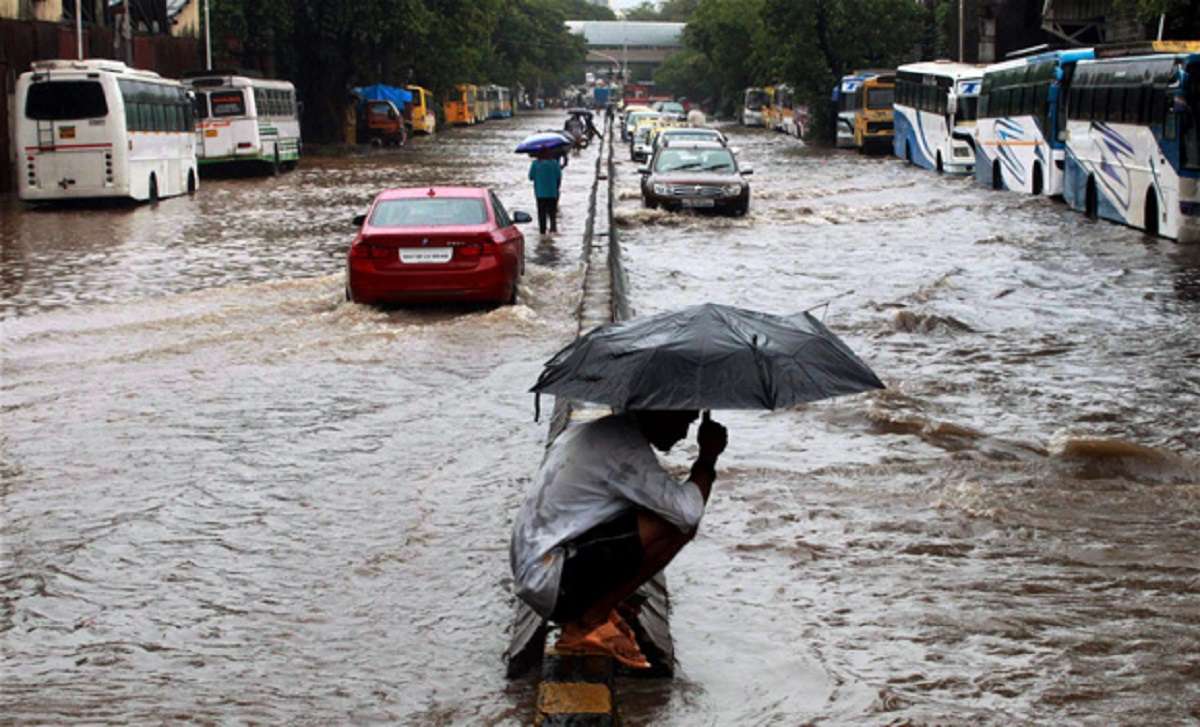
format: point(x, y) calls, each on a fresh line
point(228, 495)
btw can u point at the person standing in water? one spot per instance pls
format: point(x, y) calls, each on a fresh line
point(546, 174)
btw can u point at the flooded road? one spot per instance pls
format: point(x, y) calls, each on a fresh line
point(228, 495)
point(1009, 533)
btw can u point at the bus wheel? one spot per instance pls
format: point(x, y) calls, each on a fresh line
point(1151, 213)
point(1037, 180)
point(997, 176)
point(191, 183)
point(939, 163)
point(152, 196)
point(1090, 206)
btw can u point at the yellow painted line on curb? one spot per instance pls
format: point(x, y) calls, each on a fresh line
point(574, 698)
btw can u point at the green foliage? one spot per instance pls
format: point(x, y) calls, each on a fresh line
point(1182, 16)
point(672, 11)
point(733, 38)
point(327, 47)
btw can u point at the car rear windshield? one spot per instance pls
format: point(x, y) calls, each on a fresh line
point(228, 103)
point(703, 160)
point(429, 212)
point(880, 98)
point(65, 100)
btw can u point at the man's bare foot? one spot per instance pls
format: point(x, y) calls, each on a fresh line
point(605, 638)
point(614, 617)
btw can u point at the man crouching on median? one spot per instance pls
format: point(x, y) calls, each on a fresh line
point(602, 518)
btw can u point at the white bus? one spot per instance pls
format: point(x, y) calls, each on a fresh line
point(755, 99)
point(935, 114)
point(1133, 142)
point(1021, 133)
point(97, 128)
point(246, 120)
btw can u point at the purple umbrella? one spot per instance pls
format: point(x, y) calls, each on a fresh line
point(543, 141)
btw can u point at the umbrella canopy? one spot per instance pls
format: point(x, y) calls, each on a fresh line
point(579, 112)
point(707, 357)
point(543, 141)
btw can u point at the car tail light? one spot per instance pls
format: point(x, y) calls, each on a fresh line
point(363, 250)
point(470, 250)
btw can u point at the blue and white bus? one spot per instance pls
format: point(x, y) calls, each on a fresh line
point(1021, 133)
point(1133, 141)
point(845, 99)
point(935, 113)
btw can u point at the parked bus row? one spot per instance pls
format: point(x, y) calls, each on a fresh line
point(97, 128)
point(1114, 131)
point(468, 104)
point(774, 107)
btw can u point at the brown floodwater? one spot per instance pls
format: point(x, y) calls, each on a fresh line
point(227, 495)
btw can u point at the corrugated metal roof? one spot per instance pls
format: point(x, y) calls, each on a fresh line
point(616, 33)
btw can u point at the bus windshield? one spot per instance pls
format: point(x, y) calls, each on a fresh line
point(880, 98)
point(426, 212)
point(65, 101)
point(228, 103)
point(755, 100)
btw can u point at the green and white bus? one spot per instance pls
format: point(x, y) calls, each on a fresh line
point(241, 120)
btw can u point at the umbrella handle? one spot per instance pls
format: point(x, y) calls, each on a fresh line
point(707, 416)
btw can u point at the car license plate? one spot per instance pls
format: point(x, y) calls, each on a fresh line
point(697, 202)
point(426, 255)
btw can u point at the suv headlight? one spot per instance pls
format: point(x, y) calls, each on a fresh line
point(661, 189)
point(733, 189)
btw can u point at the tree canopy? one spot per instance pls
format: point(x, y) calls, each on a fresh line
point(328, 46)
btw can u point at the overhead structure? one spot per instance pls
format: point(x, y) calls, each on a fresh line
point(1089, 22)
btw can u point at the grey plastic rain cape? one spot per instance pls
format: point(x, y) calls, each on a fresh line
point(707, 357)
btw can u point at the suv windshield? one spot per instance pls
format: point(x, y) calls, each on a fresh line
point(65, 100)
point(429, 212)
point(703, 160)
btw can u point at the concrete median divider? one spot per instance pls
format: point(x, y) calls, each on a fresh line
point(575, 689)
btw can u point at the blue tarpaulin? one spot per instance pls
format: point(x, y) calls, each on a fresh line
point(381, 92)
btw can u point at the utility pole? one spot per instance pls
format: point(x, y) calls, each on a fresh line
point(207, 39)
point(79, 29)
point(962, 33)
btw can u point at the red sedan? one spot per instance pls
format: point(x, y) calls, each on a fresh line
point(429, 244)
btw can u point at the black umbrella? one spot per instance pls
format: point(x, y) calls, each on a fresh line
point(707, 357)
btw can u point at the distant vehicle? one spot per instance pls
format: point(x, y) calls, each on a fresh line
point(483, 106)
point(499, 100)
point(601, 95)
point(422, 118)
point(632, 119)
point(846, 100)
point(1133, 140)
point(671, 108)
point(242, 119)
point(459, 106)
point(384, 124)
point(641, 143)
point(686, 134)
point(97, 128)
point(756, 99)
point(1020, 136)
point(934, 115)
point(696, 175)
point(432, 244)
point(873, 115)
point(783, 116)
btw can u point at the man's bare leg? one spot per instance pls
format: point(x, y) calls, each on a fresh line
point(661, 542)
